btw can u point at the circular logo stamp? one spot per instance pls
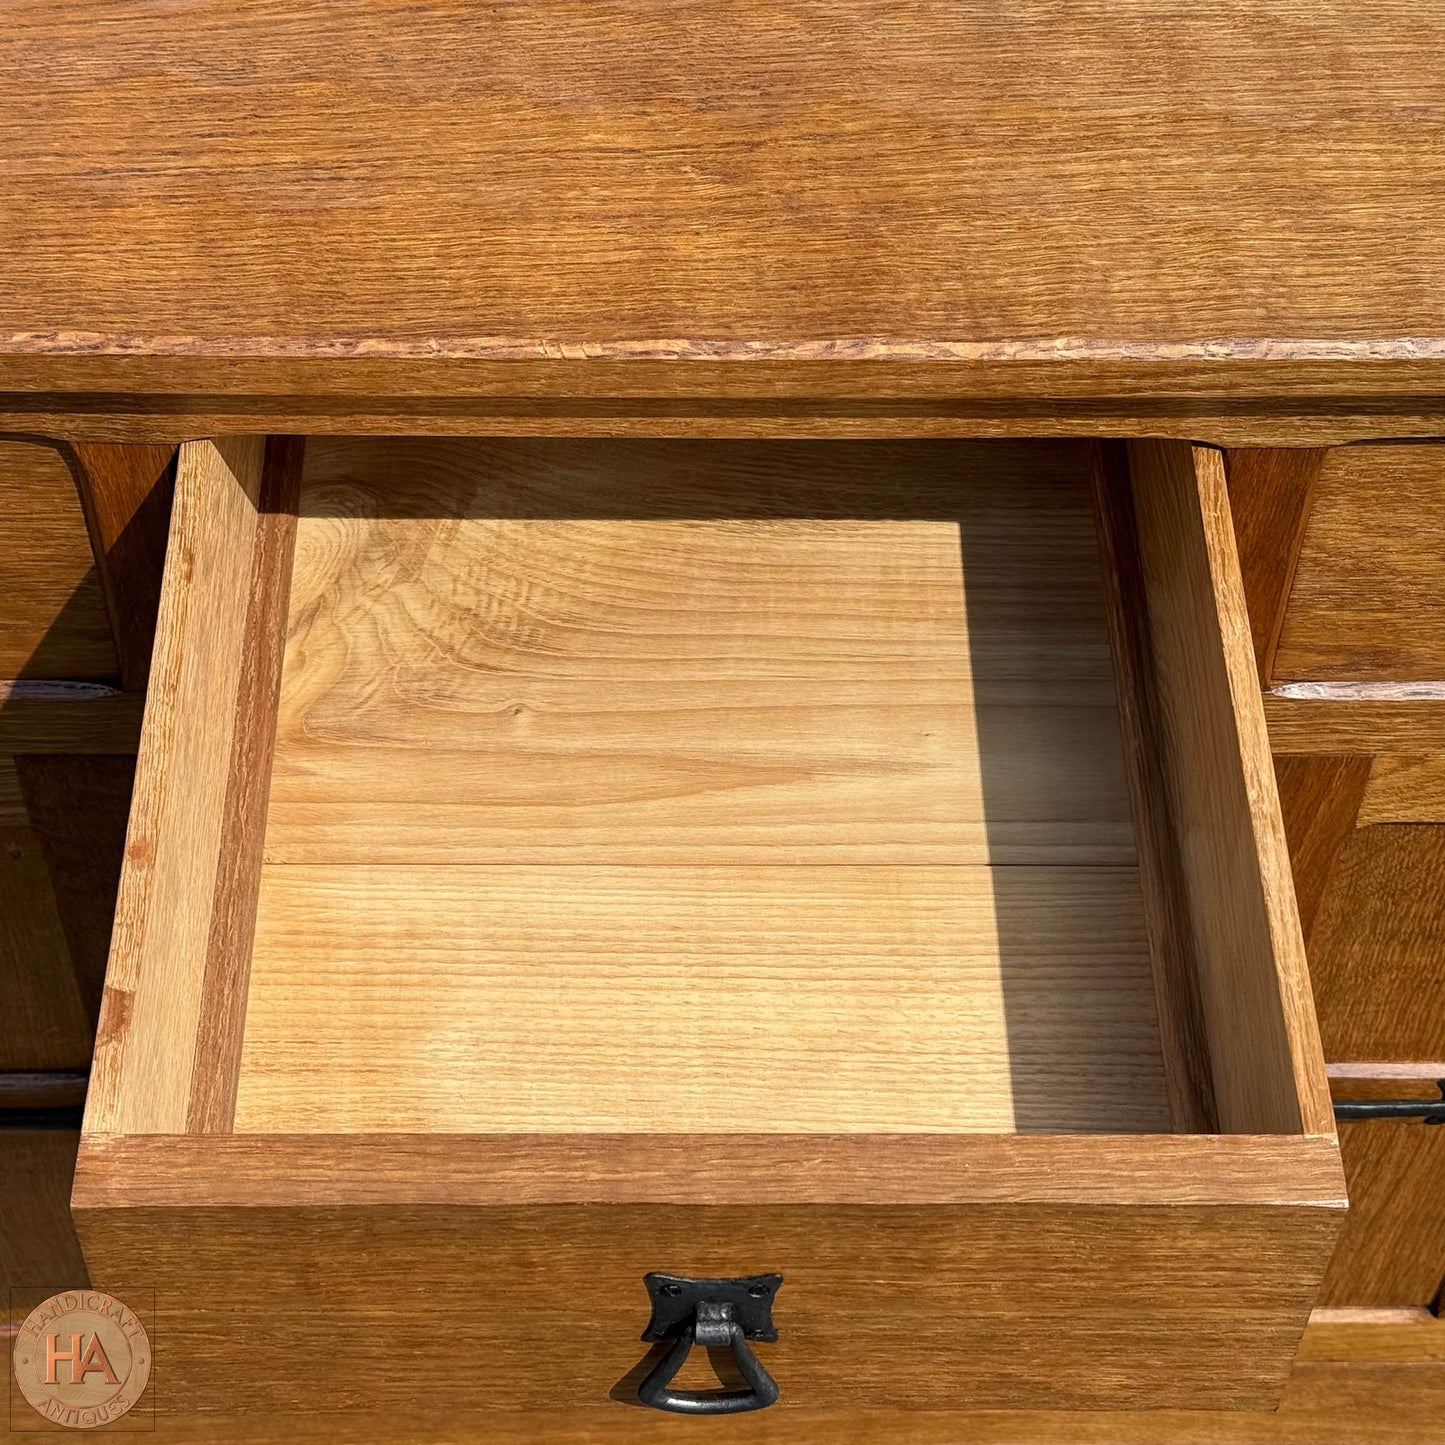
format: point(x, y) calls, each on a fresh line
point(82, 1358)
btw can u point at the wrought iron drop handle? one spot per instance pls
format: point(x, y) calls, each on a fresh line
point(714, 1313)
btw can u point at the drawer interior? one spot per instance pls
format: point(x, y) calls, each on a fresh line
point(645, 786)
point(608, 770)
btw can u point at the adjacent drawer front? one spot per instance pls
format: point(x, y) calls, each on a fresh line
point(1392, 1249)
point(1377, 949)
point(1368, 845)
point(64, 779)
point(1368, 599)
point(53, 620)
point(554, 862)
point(1344, 552)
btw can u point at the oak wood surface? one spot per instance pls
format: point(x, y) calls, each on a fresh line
point(1320, 801)
point(247, 1170)
point(1405, 790)
point(1012, 645)
point(224, 986)
point(53, 621)
point(661, 653)
point(1392, 1249)
point(542, 652)
point(1365, 725)
point(1271, 491)
point(1377, 955)
point(1049, 1305)
point(1373, 1335)
point(1372, 1402)
point(1366, 602)
point(1373, 1405)
point(433, 195)
point(1184, 1047)
point(416, 215)
point(145, 1047)
point(127, 493)
point(1215, 1244)
point(1232, 404)
point(700, 1000)
point(1254, 988)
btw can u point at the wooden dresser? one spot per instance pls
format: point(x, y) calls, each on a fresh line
point(794, 640)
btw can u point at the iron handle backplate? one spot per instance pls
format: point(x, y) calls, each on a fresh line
point(713, 1313)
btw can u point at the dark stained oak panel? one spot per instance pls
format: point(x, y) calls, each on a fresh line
point(284, 180)
point(1377, 950)
point(53, 621)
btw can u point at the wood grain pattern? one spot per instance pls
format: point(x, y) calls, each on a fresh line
point(243, 1171)
point(226, 979)
point(735, 196)
point(43, 1023)
point(1366, 602)
point(1320, 800)
point(654, 653)
point(1259, 1014)
point(670, 652)
point(1183, 1045)
point(1380, 1382)
point(1385, 1403)
point(145, 1046)
point(1354, 725)
point(1050, 1305)
point(1405, 790)
point(53, 621)
point(127, 493)
point(1271, 491)
point(1377, 954)
point(827, 999)
point(1374, 1334)
point(1392, 1249)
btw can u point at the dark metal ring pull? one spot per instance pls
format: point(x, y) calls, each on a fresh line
point(712, 1313)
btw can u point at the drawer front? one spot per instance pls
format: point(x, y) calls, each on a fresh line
point(990, 1307)
point(1367, 845)
point(538, 877)
point(53, 619)
point(1368, 848)
point(1392, 1249)
point(72, 632)
point(1368, 598)
point(1377, 949)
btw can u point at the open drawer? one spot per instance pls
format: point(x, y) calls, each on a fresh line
point(557, 860)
